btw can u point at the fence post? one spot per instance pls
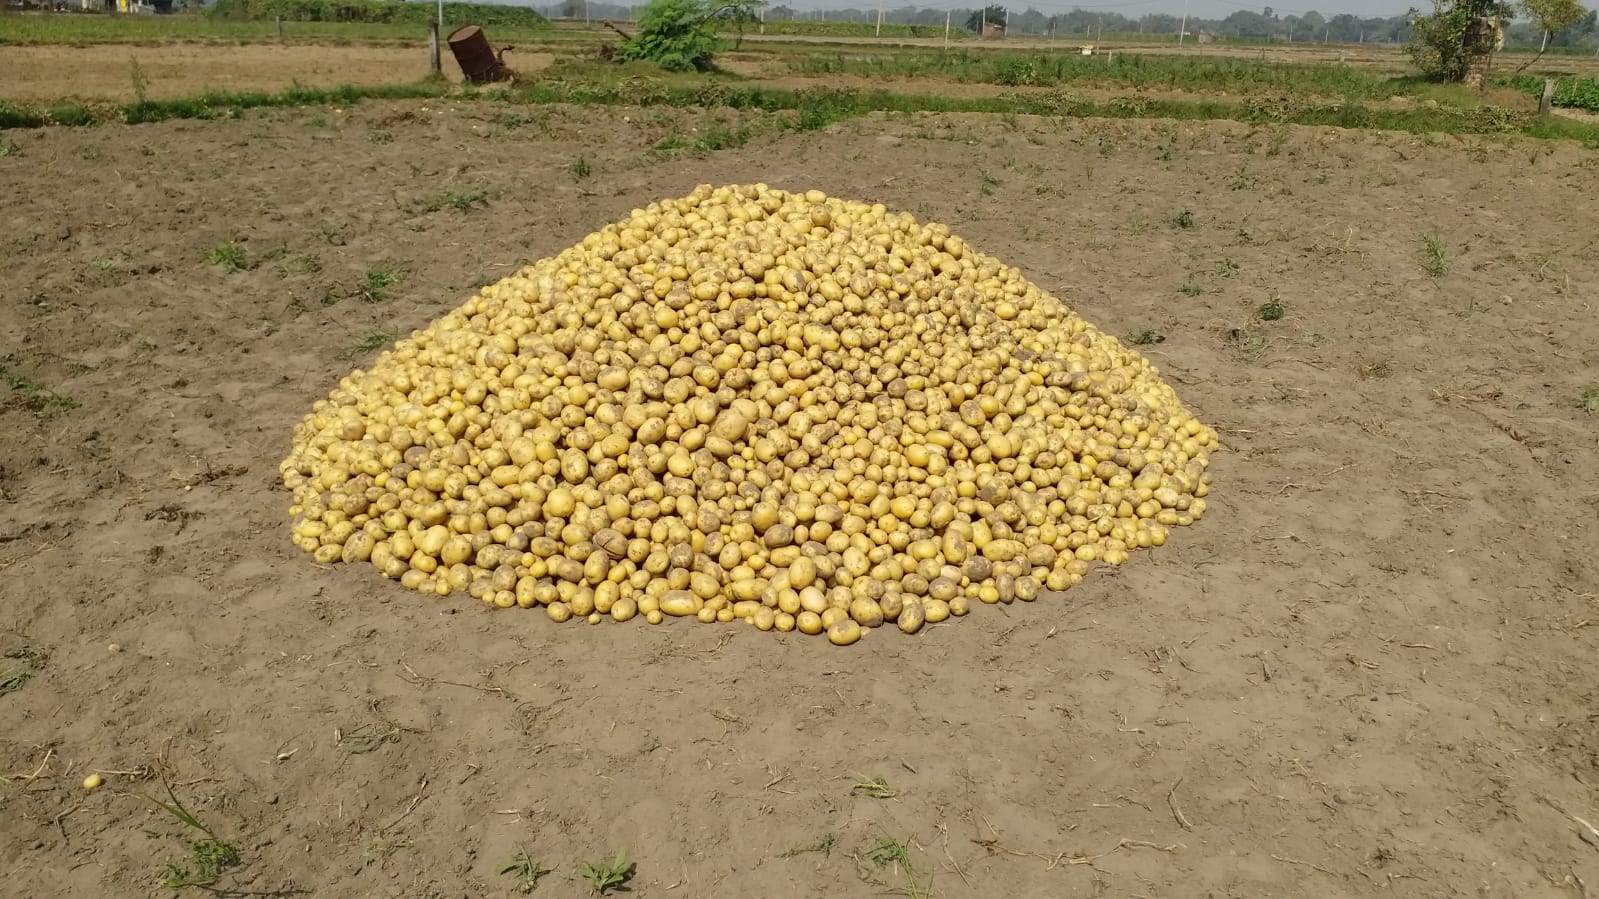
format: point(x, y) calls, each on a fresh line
point(1546, 102)
point(433, 47)
point(280, 26)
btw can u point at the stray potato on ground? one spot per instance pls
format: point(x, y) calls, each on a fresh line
point(801, 412)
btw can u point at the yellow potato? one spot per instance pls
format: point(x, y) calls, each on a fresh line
point(807, 412)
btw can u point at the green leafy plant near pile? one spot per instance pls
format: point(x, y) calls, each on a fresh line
point(681, 35)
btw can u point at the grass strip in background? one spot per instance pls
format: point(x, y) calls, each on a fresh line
point(1571, 93)
point(815, 108)
point(1143, 71)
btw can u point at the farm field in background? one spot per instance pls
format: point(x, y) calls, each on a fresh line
point(1365, 673)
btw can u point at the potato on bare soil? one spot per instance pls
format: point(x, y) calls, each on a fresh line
point(801, 412)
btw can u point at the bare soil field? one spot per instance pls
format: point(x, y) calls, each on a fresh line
point(105, 71)
point(1367, 672)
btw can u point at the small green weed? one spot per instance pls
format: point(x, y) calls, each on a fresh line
point(384, 844)
point(892, 857)
point(457, 200)
point(1434, 258)
point(1226, 268)
point(10, 148)
point(1147, 337)
point(373, 341)
point(13, 680)
point(823, 845)
point(380, 136)
point(374, 285)
point(1246, 346)
point(141, 80)
point(332, 235)
point(1192, 289)
point(303, 264)
point(32, 660)
point(527, 871)
point(1272, 310)
point(874, 788)
point(989, 185)
point(228, 255)
point(670, 146)
point(209, 855)
point(607, 878)
point(579, 169)
point(368, 738)
point(1588, 400)
point(35, 396)
point(1183, 220)
point(1242, 180)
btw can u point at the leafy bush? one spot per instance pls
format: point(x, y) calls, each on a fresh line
point(680, 35)
point(676, 35)
point(1444, 44)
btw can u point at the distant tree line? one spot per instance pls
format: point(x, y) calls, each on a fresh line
point(1265, 25)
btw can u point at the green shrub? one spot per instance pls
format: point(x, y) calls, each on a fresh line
point(676, 35)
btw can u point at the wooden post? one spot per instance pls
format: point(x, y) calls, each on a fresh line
point(1547, 101)
point(433, 48)
point(280, 26)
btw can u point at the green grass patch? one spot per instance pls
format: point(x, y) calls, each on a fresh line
point(1232, 75)
point(1571, 93)
point(810, 109)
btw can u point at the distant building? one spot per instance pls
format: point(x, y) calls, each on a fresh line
point(992, 31)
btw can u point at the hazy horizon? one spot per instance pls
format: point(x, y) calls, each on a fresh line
point(1202, 9)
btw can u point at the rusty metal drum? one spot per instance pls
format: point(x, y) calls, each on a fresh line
point(476, 58)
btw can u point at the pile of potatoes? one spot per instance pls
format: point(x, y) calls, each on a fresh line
point(803, 412)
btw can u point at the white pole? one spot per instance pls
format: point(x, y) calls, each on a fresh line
point(946, 29)
point(880, 5)
point(1183, 31)
point(585, 12)
point(441, 16)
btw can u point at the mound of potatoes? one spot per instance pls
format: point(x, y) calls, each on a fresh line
point(806, 413)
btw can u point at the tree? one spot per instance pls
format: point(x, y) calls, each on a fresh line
point(1456, 42)
point(993, 15)
point(1551, 16)
point(1314, 25)
point(678, 34)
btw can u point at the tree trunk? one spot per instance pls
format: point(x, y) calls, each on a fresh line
point(1478, 47)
